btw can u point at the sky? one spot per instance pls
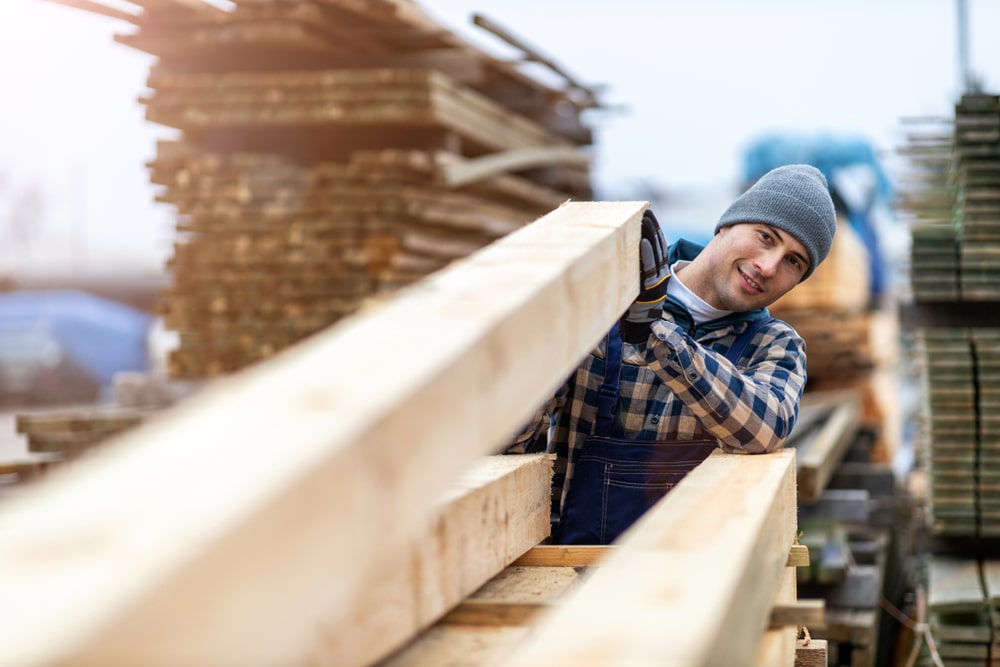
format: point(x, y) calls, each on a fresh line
point(688, 86)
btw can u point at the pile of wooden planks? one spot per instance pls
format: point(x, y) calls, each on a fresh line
point(536, 610)
point(331, 151)
point(960, 435)
point(977, 144)
point(962, 611)
point(952, 198)
point(849, 523)
point(926, 202)
point(283, 503)
point(55, 437)
point(304, 477)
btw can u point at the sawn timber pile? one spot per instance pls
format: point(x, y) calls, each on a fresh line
point(331, 151)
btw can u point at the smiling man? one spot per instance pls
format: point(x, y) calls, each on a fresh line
point(696, 362)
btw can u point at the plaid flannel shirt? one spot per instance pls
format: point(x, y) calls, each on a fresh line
point(679, 385)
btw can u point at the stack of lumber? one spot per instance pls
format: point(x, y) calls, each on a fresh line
point(847, 523)
point(302, 523)
point(977, 215)
point(849, 578)
point(331, 151)
point(849, 344)
point(55, 437)
point(952, 199)
point(960, 438)
point(926, 203)
point(962, 597)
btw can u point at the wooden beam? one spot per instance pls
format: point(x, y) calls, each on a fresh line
point(533, 55)
point(489, 166)
point(98, 8)
point(798, 556)
point(819, 455)
point(192, 7)
point(798, 612)
point(459, 551)
point(494, 613)
point(458, 646)
point(702, 565)
point(237, 513)
point(567, 556)
point(811, 653)
point(777, 645)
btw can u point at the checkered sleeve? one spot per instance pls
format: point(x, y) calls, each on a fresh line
point(751, 407)
point(533, 436)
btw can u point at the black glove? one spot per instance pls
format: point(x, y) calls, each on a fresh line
point(654, 271)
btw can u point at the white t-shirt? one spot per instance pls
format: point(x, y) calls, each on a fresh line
point(700, 309)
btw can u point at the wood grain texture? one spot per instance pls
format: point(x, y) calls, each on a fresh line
point(811, 654)
point(498, 510)
point(704, 563)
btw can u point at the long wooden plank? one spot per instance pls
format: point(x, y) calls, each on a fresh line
point(820, 455)
point(98, 8)
point(459, 551)
point(463, 173)
point(692, 582)
point(256, 508)
point(777, 646)
point(811, 653)
point(564, 556)
point(798, 612)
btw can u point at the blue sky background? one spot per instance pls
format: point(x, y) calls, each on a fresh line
point(693, 83)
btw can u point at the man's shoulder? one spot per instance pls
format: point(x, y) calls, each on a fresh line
point(683, 249)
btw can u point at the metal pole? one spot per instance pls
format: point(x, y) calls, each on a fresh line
point(965, 75)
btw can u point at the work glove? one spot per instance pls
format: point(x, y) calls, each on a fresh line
point(654, 272)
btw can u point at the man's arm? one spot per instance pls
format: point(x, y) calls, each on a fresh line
point(533, 437)
point(749, 412)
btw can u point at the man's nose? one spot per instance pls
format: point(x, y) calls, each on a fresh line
point(768, 263)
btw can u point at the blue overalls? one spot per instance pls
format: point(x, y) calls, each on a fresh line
point(616, 479)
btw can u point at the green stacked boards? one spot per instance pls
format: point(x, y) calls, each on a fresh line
point(961, 612)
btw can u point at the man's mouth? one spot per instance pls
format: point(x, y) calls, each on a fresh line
point(751, 282)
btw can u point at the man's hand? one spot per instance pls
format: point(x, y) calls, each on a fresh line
point(654, 273)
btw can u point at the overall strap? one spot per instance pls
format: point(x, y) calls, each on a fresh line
point(607, 395)
point(740, 344)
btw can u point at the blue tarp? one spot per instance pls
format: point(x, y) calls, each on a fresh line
point(839, 158)
point(102, 336)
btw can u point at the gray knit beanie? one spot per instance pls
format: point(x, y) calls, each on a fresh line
point(794, 198)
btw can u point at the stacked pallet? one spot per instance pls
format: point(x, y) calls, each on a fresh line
point(850, 345)
point(331, 151)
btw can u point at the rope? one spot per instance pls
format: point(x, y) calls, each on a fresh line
point(919, 627)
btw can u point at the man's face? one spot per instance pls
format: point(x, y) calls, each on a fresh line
point(752, 265)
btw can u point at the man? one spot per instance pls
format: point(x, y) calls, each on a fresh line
point(702, 365)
